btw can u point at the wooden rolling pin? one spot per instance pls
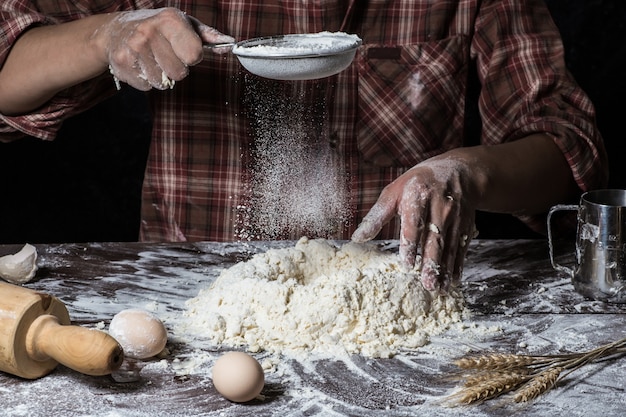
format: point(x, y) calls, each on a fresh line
point(36, 335)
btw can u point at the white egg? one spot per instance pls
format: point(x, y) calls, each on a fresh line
point(238, 377)
point(140, 333)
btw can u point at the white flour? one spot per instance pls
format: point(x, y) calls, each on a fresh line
point(320, 298)
point(322, 43)
point(298, 183)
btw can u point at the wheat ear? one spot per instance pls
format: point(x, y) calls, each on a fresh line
point(487, 389)
point(495, 362)
point(539, 384)
point(486, 376)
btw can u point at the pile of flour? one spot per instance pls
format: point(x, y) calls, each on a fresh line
point(317, 297)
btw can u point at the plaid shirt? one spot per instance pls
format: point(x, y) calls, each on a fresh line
point(400, 102)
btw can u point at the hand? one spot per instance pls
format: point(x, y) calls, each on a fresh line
point(436, 202)
point(155, 48)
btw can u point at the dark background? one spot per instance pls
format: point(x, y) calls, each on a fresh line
point(84, 186)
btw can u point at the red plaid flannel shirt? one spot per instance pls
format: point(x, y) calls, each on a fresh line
point(400, 102)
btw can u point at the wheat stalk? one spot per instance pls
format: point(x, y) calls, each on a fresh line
point(492, 375)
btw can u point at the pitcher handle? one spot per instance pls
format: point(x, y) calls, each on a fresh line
point(554, 209)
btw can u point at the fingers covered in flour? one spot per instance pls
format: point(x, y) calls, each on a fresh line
point(434, 203)
point(153, 48)
point(211, 35)
point(446, 241)
point(380, 214)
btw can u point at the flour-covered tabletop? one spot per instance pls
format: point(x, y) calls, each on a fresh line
point(518, 304)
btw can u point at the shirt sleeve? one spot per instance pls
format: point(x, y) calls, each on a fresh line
point(17, 16)
point(527, 89)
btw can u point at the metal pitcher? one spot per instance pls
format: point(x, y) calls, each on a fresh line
point(600, 268)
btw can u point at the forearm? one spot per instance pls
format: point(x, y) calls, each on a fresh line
point(48, 59)
point(525, 176)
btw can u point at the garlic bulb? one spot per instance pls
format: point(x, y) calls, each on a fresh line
point(19, 268)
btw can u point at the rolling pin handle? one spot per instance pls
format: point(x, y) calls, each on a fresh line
point(91, 352)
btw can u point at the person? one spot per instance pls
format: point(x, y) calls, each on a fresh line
point(396, 115)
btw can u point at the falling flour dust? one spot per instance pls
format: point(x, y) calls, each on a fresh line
point(318, 297)
point(297, 182)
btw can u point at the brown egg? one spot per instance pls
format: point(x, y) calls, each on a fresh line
point(140, 333)
point(238, 377)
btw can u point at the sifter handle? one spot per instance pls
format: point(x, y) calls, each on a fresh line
point(88, 351)
point(218, 45)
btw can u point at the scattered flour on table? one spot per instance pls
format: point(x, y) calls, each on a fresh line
point(318, 297)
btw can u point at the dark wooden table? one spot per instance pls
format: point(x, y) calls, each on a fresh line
point(519, 304)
